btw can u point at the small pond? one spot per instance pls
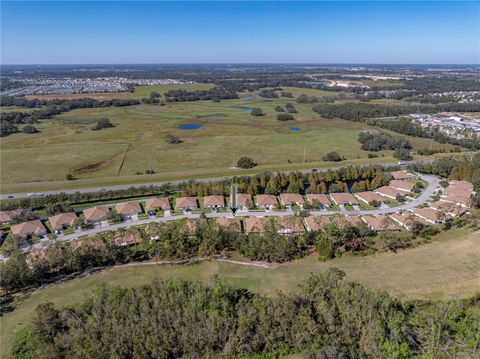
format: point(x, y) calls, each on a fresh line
point(249, 97)
point(295, 128)
point(213, 116)
point(189, 126)
point(244, 108)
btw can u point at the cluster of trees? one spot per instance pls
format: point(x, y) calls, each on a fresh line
point(290, 108)
point(216, 93)
point(303, 98)
point(333, 157)
point(172, 139)
point(246, 162)
point(328, 317)
point(101, 124)
point(257, 112)
point(377, 141)
point(10, 120)
point(268, 93)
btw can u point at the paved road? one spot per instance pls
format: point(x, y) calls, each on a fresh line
point(433, 184)
point(126, 186)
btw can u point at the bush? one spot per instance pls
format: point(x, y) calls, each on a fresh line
point(257, 112)
point(245, 162)
point(402, 154)
point(285, 117)
point(279, 109)
point(333, 157)
point(102, 123)
point(69, 177)
point(290, 108)
point(29, 129)
point(172, 139)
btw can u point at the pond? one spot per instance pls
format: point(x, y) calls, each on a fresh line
point(249, 97)
point(243, 108)
point(295, 128)
point(189, 126)
point(213, 116)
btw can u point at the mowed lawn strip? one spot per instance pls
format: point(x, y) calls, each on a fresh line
point(449, 267)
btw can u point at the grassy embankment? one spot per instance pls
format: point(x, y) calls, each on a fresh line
point(449, 267)
point(32, 162)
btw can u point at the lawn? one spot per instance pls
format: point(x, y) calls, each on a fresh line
point(115, 155)
point(449, 267)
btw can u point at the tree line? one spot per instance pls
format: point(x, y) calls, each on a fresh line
point(329, 317)
point(216, 93)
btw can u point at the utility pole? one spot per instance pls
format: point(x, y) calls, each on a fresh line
point(304, 154)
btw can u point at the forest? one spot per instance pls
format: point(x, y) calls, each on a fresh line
point(329, 318)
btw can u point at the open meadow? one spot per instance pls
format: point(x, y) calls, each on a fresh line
point(449, 267)
point(226, 132)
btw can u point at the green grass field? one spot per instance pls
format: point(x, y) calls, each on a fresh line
point(447, 268)
point(115, 155)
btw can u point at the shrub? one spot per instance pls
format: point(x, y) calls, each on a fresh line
point(172, 139)
point(402, 154)
point(102, 123)
point(290, 108)
point(279, 109)
point(285, 117)
point(29, 129)
point(257, 112)
point(245, 162)
point(69, 177)
point(333, 157)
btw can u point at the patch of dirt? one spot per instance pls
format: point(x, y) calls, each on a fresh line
point(89, 168)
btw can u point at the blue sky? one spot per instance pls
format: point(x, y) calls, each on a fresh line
point(240, 32)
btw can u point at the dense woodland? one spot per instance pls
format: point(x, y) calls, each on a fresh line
point(329, 317)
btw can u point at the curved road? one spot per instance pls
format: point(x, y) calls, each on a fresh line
point(433, 184)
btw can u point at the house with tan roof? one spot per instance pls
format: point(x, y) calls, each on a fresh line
point(267, 201)
point(407, 219)
point(8, 216)
point(153, 204)
point(380, 223)
point(185, 203)
point(369, 197)
point(27, 229)
point(95, 215)
point(233, 224)
point(402, 185)
point(344, 221)
point(213, 202)
point(389, 192)
point(129, 210)
point(343, 198)
point(316, 223)
point(451, 209)
point(289, 225)
point(291, 199)
point(127, 238)
point(430, 215)
point(402, 175)
point(460, 185)
point(457, 199)
point(62, 221)
point(255, 224)
point(244, 200)
point(318, 199)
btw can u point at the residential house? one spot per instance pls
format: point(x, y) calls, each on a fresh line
point(213, 202)
point(185, 203)
point(29, 228)
point(8, 216)
point(316, 223)
point(402, 175)
point(95, 215)
point(451, 209)
point(244, 200)
point(62, 221)
point(456, 186)
point(291, 199)
point(267, 201)
point(407, 219)
point(255, 224)
point(127, 238)
point(233, 224)
point(344, 221)
point(289, 225)
point(129, 210)
point(369, 197)
point(430, 215)
point(389, 192)
point(153, 204)
point(457, 199)
point(380, 223)
point(402, 185)
point(319, 199)
point(343, 198)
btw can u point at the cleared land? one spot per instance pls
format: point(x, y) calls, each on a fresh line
point(447, 268)
point(67, 145)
